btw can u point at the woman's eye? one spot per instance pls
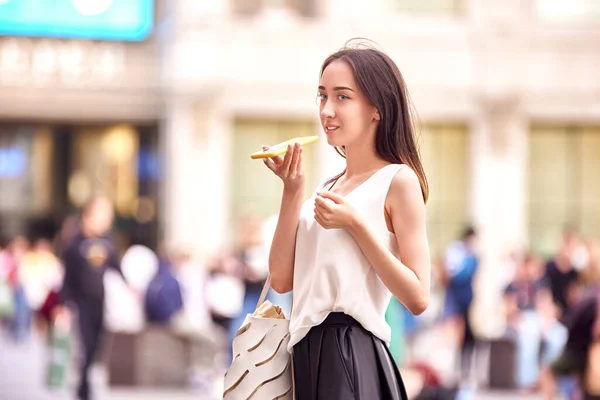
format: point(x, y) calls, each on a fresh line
point(343, 97)
point(321, 96)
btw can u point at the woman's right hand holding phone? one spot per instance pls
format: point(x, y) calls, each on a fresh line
point(289, 168)
point(281, 256)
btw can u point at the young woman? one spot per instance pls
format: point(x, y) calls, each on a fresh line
point(359, 239)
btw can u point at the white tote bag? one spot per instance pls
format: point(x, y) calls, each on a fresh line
point(262, 366)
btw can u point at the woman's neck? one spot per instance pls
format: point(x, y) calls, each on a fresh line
point(362, 160)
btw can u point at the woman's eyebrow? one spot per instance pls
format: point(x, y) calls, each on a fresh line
point(337, 88)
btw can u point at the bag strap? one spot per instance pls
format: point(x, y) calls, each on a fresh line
point(264, 292)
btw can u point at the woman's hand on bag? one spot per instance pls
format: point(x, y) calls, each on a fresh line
point(289, 168)
point(333, 212)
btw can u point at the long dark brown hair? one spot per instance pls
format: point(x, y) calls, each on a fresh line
point(380, 80)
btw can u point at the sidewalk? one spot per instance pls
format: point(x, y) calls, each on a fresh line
point(22, 373)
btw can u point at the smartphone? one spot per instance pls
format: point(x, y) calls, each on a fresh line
point(281, 148)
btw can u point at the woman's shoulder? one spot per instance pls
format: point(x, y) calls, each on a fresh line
point(404, 181)
point(404, 198)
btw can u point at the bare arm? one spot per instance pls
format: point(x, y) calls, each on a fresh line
point(409, 279)
point(282, 251)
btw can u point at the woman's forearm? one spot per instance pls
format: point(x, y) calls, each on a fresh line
point(282, 252)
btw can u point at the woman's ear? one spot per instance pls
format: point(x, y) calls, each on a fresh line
point(377, 116)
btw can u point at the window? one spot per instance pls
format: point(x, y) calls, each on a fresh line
point(427, 6)
point(26, 184)
point(305, 8)
point(105, 163)
point(254, 188)
point(564, 184)
point(444, 152)
point(245, 7)
point(571, 10)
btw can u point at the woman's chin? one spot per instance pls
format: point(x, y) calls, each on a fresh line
point(331, 140)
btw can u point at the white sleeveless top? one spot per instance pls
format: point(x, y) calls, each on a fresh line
point(331, 274)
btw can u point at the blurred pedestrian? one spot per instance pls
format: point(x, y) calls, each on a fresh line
point(85, 260)
point(532, 321)
point(20, 323)
point(562, 274)
point(460, 265)
point(583, 323)
point(8, 281)
point(41, 275)
point(252, 267)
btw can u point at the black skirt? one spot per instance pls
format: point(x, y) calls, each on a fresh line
point(339, 359)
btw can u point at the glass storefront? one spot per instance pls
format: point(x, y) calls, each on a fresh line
point(564, 184)
point(48, 172)
point(445, 154)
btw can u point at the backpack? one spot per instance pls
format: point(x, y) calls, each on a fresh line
point(163, 296)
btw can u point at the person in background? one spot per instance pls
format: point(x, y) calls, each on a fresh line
point(583, 324)
point(561, 274)
point(224, 290)
point(460, 266)
point(193, 320)
point(252, 267)
point(531, 318)
point(85, 259)
point(41, 275)
point(8, 283)
point(590, 275)
point(21, 321)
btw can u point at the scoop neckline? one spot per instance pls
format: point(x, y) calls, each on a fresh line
point(360, 184)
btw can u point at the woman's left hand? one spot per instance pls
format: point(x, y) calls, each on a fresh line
point(333, 212)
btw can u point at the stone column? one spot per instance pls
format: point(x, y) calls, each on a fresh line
point(499, 130)
point(196, 140)
point(498, 198)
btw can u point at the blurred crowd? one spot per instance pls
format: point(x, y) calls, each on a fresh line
point(47, 279)
point(550, 306)
point(550, 318)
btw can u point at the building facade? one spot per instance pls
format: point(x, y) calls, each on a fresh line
point(507, 94)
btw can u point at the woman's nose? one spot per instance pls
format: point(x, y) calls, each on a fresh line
point(327, 111)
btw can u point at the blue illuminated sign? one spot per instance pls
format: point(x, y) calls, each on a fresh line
point(149, 165)
point(13, 162)
point(129, 20)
